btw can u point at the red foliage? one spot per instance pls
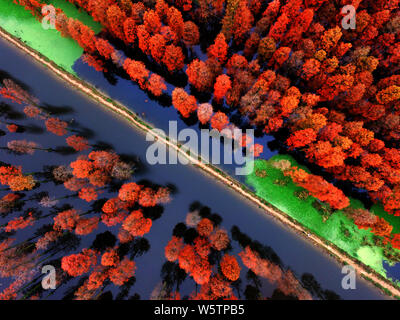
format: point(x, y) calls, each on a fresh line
point(116, 18)
point(335, 85)
point(31, 111)
point(21, 182)
point(219, 121)
point(219, 239)
point(187, 258)
point(74, 184)
point(136, 224)
point(175, 21)
point(173, 248)
point(114, 211)
point(396, 241)
point(242, 22)
point(56, 126)
point(19, 223)
point(202, 247)
point(256, 149)
point(302, 138)
point(110, 258)
point(82, 168)
point(88, 194)
point(278, 29)
point(137, 71)
point(199, 75)
point(152, 22)
point(156, 85)
point(219, 49)
point(310, 68)
point(348, 94)
point(78, 264)
point(204, 112)
point(382, 228)
point(219, 287)
point(280, 56)
point(205, 227)
point(319, 188)
point(325, 155)
point(230, 267)
point(12, 127)
point(156, 46)
point(221, 87)
point(147, 197)
point(143, 38)
point(104, 48)
point(66, 220)
point(183, 102)
point(86, 226)
point(186, 5)
point(96, 280)
point(236, 63)
point(201, 271)
point(7, 173)
point(173, 58)
point(129, 192)
point(78, 143)
point(261, 267)
point(130, 30)
point(191, 34)
point(122, 272)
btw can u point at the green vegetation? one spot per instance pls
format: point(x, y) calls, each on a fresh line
point(20, 23)
point(393, 220)
point(333, 226)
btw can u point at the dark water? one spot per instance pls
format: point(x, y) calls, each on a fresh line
point(158, 112)
point(191, 184)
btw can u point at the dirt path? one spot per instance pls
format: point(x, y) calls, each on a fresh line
point(123, 111)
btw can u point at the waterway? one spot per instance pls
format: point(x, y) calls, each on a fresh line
point(190, 184)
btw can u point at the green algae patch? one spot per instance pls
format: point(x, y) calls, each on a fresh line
point(270, 184)
point(372, 257)
point(62, 51)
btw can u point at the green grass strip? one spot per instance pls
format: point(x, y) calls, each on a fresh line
point(20, 23)
point(336, 228)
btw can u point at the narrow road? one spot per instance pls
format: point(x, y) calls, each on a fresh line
point(123, 111)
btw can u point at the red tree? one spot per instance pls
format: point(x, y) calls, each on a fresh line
point(204, 112)
point(219, 121)
point(136, 224)
point(156, 84)
point(130, 30)
point(302, 138)
point(137, 71)
point(173, 58)
point(230, 267)
point(199, 75)
point(116, 18)
point(221, 87)
point(219, 49)
point(78, 264)
point(183, 102)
